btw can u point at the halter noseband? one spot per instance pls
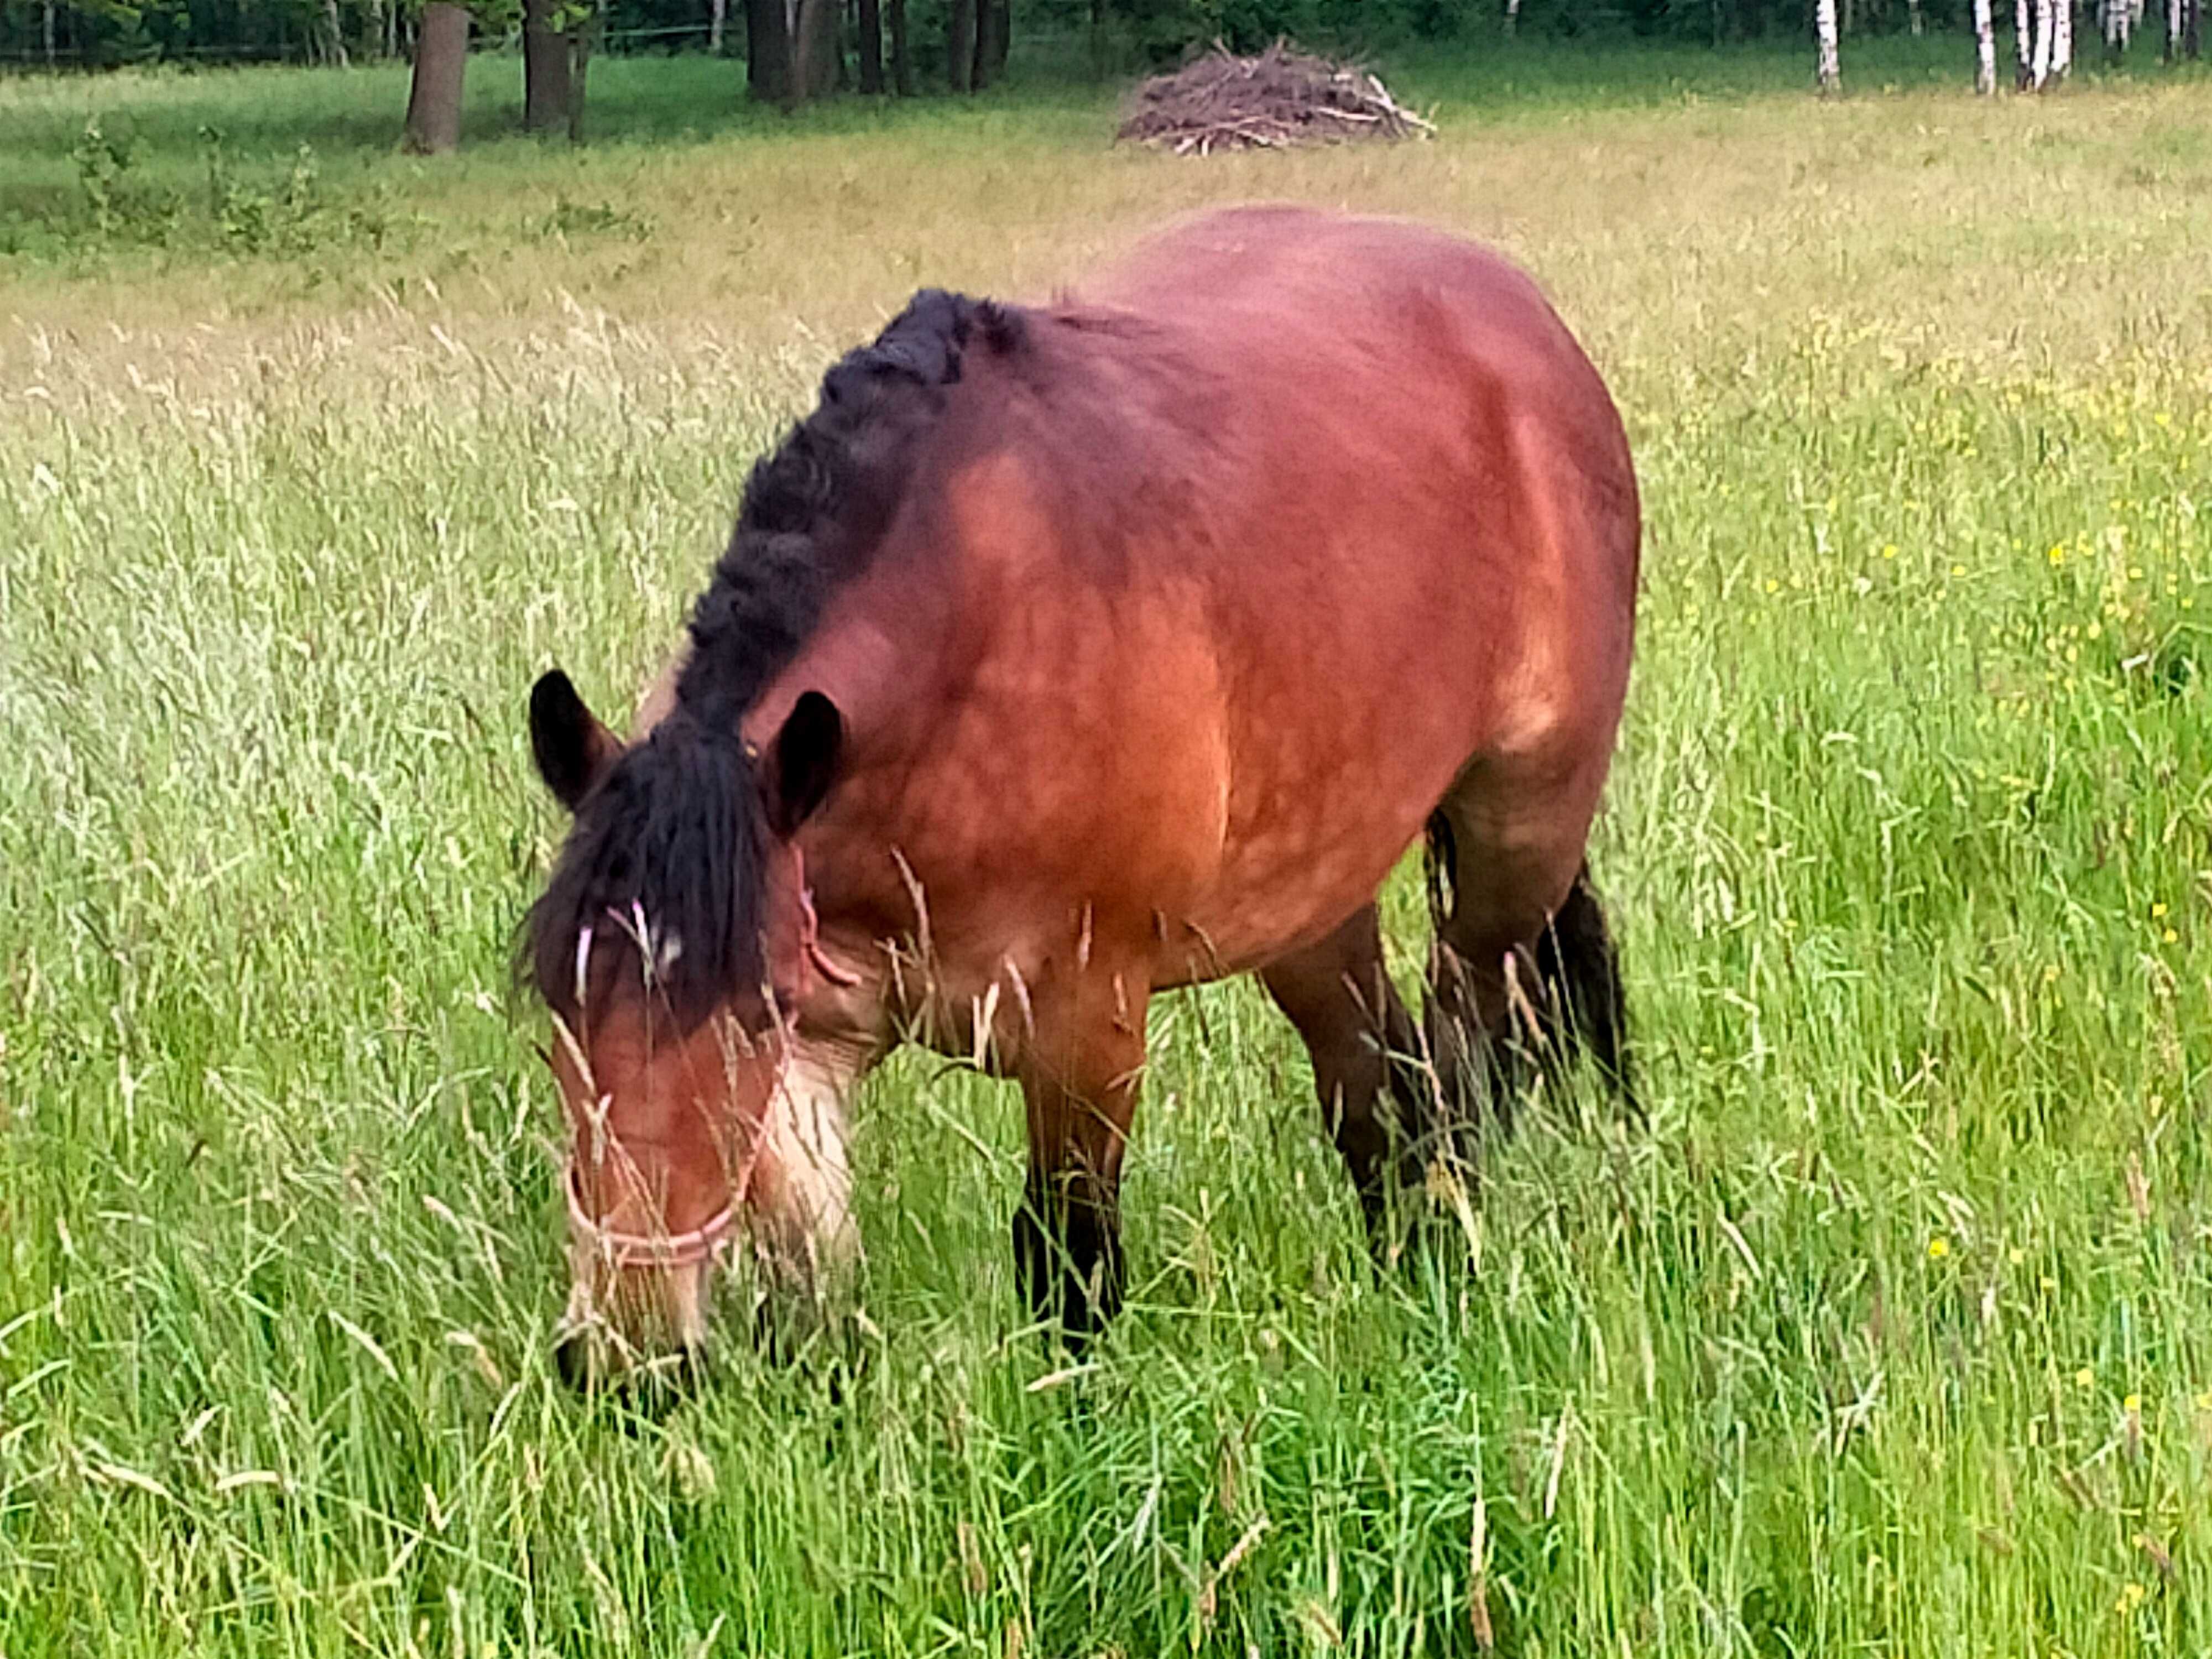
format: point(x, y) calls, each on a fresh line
point(666, 1250)
point(702, 1242)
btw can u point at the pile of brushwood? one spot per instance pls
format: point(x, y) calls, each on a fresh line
point(1278, 99)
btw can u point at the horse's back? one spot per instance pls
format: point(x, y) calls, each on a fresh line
point(1416, 359)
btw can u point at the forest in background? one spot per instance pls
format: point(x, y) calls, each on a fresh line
point(102, 33)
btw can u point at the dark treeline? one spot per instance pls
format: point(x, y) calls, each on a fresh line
point(96, 33)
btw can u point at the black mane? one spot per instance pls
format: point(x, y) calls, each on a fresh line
point(676, 836)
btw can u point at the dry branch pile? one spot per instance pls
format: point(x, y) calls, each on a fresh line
point(1281, 98)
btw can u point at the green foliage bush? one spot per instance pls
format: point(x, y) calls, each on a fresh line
point(118, 205)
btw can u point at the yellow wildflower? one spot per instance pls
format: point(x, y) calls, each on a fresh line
point(2085, 1378)
point(1938, 1249)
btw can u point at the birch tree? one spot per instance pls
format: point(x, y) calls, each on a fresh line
point(2062, 40)
point(1985, 51)
point(1830, 69)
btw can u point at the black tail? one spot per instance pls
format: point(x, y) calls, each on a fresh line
point(1580, 967)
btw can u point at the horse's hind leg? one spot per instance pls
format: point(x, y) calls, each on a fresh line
point(1375, 1097)
point(1496, 885)
point(1580, 967)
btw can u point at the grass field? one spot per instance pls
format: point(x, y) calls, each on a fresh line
point(1890, 1335)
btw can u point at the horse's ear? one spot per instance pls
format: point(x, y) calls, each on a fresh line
point(573, 750)
point(804, 761)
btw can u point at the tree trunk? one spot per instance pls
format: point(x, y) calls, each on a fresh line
point(960, 44)
point(1512, 15)
point(582, 36)
point(768, 50)
point(2062, 38)
point(2039, 71)
point(546, 77)
point(717, 10)
point(46, 28)
point(872, 47)
point(1919, 27)
point(2023, 47)
point(333, 34)
point(442, 63)
point(1001, 38)
point(1831, 68)
point(816, 59)
point(2192, 28)
point(902, 65)
point(1985, 51)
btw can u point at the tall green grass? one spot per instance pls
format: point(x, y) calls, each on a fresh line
point(1891, 1333)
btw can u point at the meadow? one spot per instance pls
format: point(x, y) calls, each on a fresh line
point(1889, 1334)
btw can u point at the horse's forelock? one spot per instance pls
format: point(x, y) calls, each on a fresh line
point(665, 867)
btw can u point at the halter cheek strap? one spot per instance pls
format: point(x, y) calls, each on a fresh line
point(810, 929)
point(702, 1243)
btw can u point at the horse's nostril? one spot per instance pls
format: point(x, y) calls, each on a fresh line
point(572, 1358)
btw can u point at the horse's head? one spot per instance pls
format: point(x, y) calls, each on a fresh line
point(672, 945)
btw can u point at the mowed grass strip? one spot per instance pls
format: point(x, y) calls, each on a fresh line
point(1891, 1332)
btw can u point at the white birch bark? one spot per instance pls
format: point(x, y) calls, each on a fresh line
point(1912, 8)
point(2039, 71)
point(718, 10)
point(2062, 38)
point(1512, 15)
point(1830, 69)
point(2172, 31)
point(1985, 51)
point(334, 44)
point(46, 23)
point(2023, 43)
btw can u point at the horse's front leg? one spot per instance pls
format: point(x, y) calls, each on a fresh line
point(1080, 1075)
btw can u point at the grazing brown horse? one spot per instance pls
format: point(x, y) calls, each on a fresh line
point(1066, 656)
